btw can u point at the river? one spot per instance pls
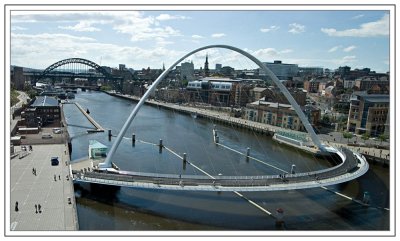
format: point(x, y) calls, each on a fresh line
point(140, 209)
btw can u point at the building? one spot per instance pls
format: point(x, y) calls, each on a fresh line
point(367, 83)
point(257, 93)
point(310, 71)
point(274, 94)
point(316, 85)
point(276, 114)
point(187, 71)
point(206, 69)
point(283, 71)
point(17, 77)
point(368, 114)
point(44, 111)
point(213, 91)
point(218, 67)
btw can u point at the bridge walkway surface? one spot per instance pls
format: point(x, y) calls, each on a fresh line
point(351, 168)
point(28, 189)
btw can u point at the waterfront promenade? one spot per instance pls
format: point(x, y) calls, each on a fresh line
point(50, 188)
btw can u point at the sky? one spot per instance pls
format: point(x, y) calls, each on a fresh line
point(141, 39)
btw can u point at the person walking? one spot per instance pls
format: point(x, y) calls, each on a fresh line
point(36, 208)
point(39, 207)
point(16, 207)
point(55, 178)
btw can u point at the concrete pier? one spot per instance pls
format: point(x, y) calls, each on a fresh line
point(91, 120)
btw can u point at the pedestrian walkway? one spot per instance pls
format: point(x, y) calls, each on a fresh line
point(32, 184)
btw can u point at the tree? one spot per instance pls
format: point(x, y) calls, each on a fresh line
point(347, 135)
point(365, 136)
point(383, 137)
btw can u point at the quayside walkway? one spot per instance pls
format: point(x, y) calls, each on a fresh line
point(353, 166)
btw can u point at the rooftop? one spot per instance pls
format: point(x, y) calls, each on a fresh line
point(45, 101)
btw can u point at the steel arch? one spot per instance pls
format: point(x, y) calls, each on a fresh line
point(75, 60)
point(292, 101)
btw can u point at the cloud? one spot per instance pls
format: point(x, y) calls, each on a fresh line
point(296, 28)
point(269, 53)
point(17, 28)
point(218, 35)
point(137, 25)
point(42, 50)
point(370, 29)
point(272, 28)
point(164, 17)
point(82, 26)
point(358, 16)
point(333, 49)
point(345, 60)
point(350, 48)
point(197, 36)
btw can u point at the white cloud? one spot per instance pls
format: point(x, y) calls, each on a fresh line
point(272, 28)
point(358, 16)
point(269, 53)
point(286, 51)
point(333, 49)
point(197, 36)
point(345, 60)
point(42, 50)
point(350, 48)
point(17, 28)
point(296, 28)
point(218, 35)
point(371, 29)
point(163, 17)
point(82, 26)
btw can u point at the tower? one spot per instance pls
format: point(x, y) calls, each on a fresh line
point(206, 70)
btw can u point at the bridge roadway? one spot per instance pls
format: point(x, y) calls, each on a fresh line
point(354, 166)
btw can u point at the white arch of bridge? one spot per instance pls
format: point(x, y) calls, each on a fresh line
point(296, 107)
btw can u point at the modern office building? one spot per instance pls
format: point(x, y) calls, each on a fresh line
point(187, 71)
point(368, 113)
point(283, 71)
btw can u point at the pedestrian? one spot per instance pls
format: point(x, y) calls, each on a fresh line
point(55, 178)
point(59, 178)
point(30, 147)
point(33, 171)
point(39, 207)
point(36, 208)
point(16, 206)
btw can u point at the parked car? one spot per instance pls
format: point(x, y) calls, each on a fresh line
point(54, 161)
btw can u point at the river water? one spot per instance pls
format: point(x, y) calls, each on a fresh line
point(140, 209)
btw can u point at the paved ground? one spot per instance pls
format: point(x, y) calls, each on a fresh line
point(28, 190)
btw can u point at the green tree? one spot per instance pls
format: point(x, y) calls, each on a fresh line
point(347, 135)
point(365, 136)
point(383, 137)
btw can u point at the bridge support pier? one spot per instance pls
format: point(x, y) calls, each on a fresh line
point(109, 135)
point(161, 146)
point(293, 170)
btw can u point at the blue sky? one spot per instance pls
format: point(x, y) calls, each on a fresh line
point(142, 39)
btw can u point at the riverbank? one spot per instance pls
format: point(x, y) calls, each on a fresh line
point(372, 154)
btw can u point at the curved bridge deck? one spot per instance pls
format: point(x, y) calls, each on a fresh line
point(353, 166)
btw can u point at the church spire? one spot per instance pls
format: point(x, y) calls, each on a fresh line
point(206, 70)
